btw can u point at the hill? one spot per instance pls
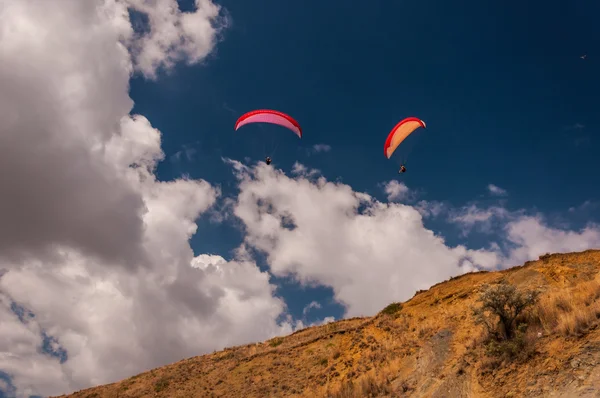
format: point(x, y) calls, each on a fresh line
point(430, 346)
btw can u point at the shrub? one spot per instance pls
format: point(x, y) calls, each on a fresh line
point(510, 349)
point(502, 304)
point(391, 309)
point(161, 384)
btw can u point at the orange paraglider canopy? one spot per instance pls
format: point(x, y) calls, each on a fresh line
point(399, 133)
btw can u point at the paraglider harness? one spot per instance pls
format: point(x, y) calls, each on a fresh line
point(268, 160)
point(402, 169)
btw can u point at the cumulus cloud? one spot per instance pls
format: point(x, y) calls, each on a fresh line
point(302, 170)
point(496, 190)
point(524, 236)
point(371, 253)
point(97, 277)
point(55, 121)
point(173, 35)
point(431, 208)
point(299, 325)
point(396, 191)
point(531, 237)
point(472, 216)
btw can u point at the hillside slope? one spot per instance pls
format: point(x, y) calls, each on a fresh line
point(429, 346)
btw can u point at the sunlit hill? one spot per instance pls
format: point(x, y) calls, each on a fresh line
point(441, 343)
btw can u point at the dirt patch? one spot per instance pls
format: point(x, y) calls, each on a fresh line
point(430, 362)
point(585, 369)
point(455, 387)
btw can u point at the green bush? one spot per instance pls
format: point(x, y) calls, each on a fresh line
point(161, 384)
point(509, 349)
point(392, 309)
point(502, 305)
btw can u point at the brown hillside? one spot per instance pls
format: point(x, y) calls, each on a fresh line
point(429, 346)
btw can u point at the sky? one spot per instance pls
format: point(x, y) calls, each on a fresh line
point(138, 228)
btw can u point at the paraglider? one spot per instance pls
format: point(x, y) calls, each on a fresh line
point(272, 117)
point(398, 134)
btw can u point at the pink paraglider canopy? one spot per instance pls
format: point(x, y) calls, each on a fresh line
point(269, 116)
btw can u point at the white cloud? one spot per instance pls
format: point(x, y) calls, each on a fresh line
point(98, 249)
point(299, 325)
point(524, 236)
point(321, 148)
point(302, 170)
point(91, 243)
point(315, 231)
point(311, 305)
point(174, 35)
point(475, 216)
point(431, 208)
point(496, 190)
point(396, 191)
point(373, 253)
point(532, 238)
point(325, 321)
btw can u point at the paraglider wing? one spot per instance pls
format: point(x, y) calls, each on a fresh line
point(402, 130)
point(269, 116)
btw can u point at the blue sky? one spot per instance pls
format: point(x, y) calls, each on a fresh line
point(101, 263)
point(503, 90)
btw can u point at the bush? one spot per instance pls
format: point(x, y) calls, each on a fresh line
point(509, 349)
point(161, 384)
point(391, 309)
point(502, 304)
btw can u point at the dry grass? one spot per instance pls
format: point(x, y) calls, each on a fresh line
point(569, 312)
point(375, 383)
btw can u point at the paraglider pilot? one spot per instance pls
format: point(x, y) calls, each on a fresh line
point(402, 169)
point(268, 160)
